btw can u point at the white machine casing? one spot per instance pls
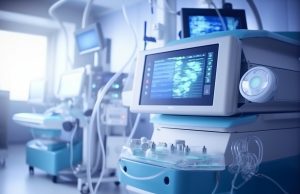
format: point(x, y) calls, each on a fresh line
point(270, 128)
point(235, 57)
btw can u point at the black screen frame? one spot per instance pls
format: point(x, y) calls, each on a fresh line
point(187, 12)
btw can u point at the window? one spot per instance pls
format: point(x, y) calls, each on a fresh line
point(23, 57)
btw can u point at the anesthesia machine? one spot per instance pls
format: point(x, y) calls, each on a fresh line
point(226, 116)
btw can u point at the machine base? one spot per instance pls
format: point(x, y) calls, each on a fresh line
point(284, 171)
point(52, 160)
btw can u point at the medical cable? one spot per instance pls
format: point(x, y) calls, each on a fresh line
point(273, 181)
point(167, 7)
point(85, 17)
point(100, 97)
point(218, 176)
point(72, 146)
point(244, 162)
point(211, 2)
point(95, 114)
point(86, 13)
point(51, 12)
point(223, 2)
point(134, 128)
point(256, 14)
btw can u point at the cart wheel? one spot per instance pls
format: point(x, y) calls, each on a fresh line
point(31, 170)
point(84, 189)
point(54, 179)
point(117, 183)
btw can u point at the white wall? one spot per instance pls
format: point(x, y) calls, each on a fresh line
point(115, 28)
point(277, 15)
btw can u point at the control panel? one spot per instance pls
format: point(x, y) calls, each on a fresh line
point(177, 155)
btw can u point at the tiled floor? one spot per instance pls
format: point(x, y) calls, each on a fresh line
point(15, 179)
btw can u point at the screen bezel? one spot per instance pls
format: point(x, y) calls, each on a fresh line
point(226, 83)
point(187, 12)
point(95, 27)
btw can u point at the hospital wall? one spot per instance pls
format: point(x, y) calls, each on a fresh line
point(17, 134)
point(278, 15)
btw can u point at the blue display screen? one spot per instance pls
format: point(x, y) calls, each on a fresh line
point(200, 25)
point(181, 77)
point(88, 40)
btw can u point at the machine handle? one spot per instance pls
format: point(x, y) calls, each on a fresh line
point(142, 178)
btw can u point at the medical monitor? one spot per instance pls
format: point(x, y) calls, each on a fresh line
point(37, 91)
point(89, 39)
point(180, 77)
point(197, 22)
point(193, 78)
point(71, 84)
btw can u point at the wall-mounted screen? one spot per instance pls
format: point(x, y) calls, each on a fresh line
point(89, 39)
point(197, 22)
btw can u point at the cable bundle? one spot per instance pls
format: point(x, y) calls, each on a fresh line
point(244, 162)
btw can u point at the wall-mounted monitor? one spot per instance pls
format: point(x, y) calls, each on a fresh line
point(89, 39)
point(71, 84)
point(196, 22)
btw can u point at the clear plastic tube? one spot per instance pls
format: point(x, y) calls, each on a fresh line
point(244, 162)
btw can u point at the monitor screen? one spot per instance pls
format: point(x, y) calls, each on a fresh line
point(180, 77)
point(89, 39)
point(71, 84)
point(37, 89)
point(197, 22)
